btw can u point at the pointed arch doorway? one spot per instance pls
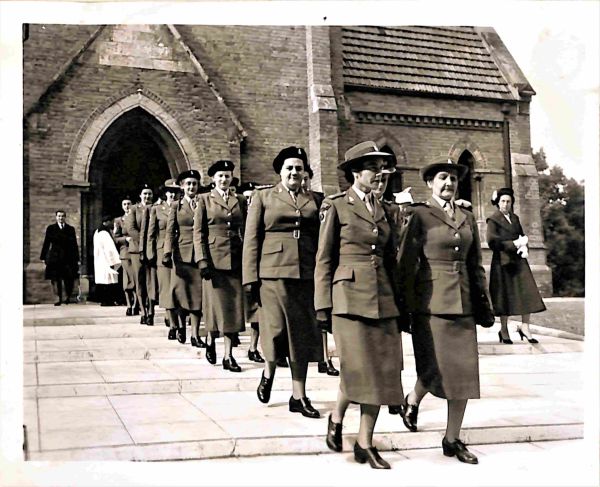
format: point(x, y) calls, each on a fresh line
point(136, 148)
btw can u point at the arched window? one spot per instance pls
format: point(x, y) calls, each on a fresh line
point(465, 188)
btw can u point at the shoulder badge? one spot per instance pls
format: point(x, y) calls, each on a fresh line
point(324, 209)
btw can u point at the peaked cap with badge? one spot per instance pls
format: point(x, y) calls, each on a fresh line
point(356, 155)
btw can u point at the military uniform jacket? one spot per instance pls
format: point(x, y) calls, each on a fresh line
point(440, 267)
point(219, 231)
point(136, 224)
point(280, 239)
point(179, 240)
point(356, 251)
point(157, 226)
point(120, 236)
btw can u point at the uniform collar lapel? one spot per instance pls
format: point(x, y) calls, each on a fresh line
point(499, 218)
point(303, 198)
point(439, 212)
point(219, 199)
point(282, 194)
point(358, 206)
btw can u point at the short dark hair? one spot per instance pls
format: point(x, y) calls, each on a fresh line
point(60, 211)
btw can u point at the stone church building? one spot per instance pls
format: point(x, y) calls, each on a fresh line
point(107, 108)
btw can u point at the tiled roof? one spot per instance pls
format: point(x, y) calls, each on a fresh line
point(437, 60)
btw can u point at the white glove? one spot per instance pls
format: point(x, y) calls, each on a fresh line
point(525, 240)
point(404, 196)
point(523, 252)
point(522, 240)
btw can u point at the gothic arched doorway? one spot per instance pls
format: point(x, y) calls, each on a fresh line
point(135, 149)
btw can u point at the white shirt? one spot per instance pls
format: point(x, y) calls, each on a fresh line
point(442, 202)
point(224, 194)
point(363, 196)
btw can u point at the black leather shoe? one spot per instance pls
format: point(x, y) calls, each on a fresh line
point(264, 388)
point(129, 312)
point(409, 415)
point(172, 334)
point(281, 362)
point(68, 301)
point(211, 353)
point(322, 367)
point(255, 356)
point(331, 370)
point(334, 435)
point(457, 448)
point(396, 409)
point(195, 342)
point(150, 320)
point(303, 406)
point(167, 322)
point(231, 365)
point(58, 303)
point(136, 311)
point(371, 455)
point(181, 335)
point(143, 320)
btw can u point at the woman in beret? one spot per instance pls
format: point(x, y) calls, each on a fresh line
point(178, 252)
point(157, 226)
point(512, 286)
point(444, 289)
point(280, 243)
point(122, 239)
point(218, 233)
point(353, 291)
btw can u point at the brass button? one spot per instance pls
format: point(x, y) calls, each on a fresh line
point(297, 212)
point(456, 248)
point(457, 235)
point(297, 223)
point(375, 230)
point(228, 224)
point(373, 247)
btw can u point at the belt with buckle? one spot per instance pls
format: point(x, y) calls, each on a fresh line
point(296, 233)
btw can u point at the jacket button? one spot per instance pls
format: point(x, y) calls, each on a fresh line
point(373, 247)
point(228, 224)
point(457, 235)
point(229, 214)
point(456, 248)
point(375, 230)
point(297, 223)
point(297, 212)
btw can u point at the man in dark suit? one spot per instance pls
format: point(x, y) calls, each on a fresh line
point(60, 253)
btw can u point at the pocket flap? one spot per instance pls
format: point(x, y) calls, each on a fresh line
point(343, 274)
point(211, 240)
point(272, 247)
point(428, 276)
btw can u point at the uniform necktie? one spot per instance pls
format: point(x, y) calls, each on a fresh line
point(449, 210)
point(225, 197)
point(294, 197)
point(193, 204)
point(370, 203)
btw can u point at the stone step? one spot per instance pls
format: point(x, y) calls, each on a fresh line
point(306, 444)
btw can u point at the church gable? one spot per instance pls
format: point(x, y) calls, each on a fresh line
point(447, 61)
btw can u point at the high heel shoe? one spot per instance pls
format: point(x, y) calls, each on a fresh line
point(522, 335)
point(371, 455)
point(264, 388)
point(508, 341)
point(409, 413)
point(334, 435)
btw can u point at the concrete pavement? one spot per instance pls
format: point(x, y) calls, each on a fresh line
point(100, 386)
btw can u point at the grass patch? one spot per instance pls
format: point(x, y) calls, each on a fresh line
point(562, 315)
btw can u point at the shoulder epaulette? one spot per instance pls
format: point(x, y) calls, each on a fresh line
point(264, 186)
point(336, 195)
point(419, 203)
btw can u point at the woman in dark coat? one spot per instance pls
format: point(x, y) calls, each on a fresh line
point(280, 243)
point(157, 227)
point(512, 286)
point(353, 290)
point(218, 233)
point(445, 290)
point(178, 252)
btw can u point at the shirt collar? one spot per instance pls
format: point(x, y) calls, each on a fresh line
point(291, 191)
point(187, 198)
point(361, 194)
point(442, 202)
point(223, 194)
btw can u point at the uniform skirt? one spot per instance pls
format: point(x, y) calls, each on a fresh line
point(513, 289)
point(186, 286)
point(223, 302)
point(163, 276)
point(250, 309)
point(288, 325)
point(371, 363)
point(446, 355)
point(128, 278)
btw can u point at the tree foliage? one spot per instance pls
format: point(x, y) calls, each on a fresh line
point(562, 209)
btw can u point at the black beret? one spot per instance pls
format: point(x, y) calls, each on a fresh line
point(235, 182)
point(145, 186)
point(223, 165)
point(126, 198)
point(249, 186)
point(292, 152)
point(190, 173)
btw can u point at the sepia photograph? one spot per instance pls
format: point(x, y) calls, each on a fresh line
point(290, 243)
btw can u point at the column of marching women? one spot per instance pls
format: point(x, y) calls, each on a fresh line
point(297, 266)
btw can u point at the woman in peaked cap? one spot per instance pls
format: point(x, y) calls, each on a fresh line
point(444, 289)
point(178, 252)
point(353, 291)
point(157, 226)
point(280, 243)
point(512, 286)
point(218, 232)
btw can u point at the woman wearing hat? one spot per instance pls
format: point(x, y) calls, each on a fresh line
point(512, 286)
point(444, 289)
point(218, 233)
point(155, 241)
point(280, 243)
point(353, 290)
point(122, 239)
point(178, 252)
point(135, 224)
